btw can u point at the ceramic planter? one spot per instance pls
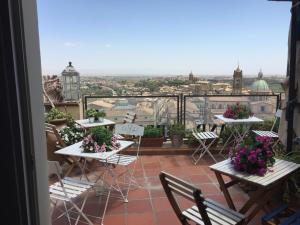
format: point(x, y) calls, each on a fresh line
point(91, 119)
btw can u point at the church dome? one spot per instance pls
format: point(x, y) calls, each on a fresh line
point(260, 85)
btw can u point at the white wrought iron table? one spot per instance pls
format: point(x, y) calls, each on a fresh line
point(87, 125)
point(266, 185)
point(237, 134)
point(74, 151)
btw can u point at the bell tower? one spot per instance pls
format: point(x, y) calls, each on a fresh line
point(237, 81)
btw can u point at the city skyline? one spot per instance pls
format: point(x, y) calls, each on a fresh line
point(164, 37)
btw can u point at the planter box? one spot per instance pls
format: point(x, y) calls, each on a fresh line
point(152, 142)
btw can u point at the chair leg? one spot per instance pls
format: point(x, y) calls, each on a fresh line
point(66, 209)
point(206, 150)
point(82, 214)
point(82, 206)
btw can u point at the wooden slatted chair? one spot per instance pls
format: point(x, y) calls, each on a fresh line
point(204, 212)
point(68, 190)
point(270, 133)
point(206, 140)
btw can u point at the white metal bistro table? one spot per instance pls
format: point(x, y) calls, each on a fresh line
point(266, 185)
point(237, 134)
point(87, 125)
point(76, 153)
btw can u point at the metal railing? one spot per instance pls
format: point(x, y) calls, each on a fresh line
point(188, 107)
point(206, 106)
point(159, 105)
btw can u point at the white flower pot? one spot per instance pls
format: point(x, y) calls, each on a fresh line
point(91, 119)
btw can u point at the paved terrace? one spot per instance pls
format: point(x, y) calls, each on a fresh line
point(148, 205)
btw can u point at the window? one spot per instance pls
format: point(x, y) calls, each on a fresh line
point(262, 108)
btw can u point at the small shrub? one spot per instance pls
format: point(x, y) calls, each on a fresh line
point(177, 129)
point(153, 132)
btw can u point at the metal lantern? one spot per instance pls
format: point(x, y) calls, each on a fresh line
point(71, 83)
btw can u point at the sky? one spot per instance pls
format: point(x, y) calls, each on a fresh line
point(164, 37)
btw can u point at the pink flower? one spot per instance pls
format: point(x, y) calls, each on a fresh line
point(103, 148)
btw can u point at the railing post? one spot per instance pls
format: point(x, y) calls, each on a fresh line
point(184, 109)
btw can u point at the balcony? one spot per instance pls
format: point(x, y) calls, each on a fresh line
point(149, 204)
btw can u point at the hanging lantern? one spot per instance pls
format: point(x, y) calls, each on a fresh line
point(71, 83)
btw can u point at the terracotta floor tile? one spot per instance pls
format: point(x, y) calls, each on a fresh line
point(115, 220)
point(152, 165)
point(208, 189)
point(139, 193)
point(152, 172)
point(167, 218)
point(157, 193)
point(161, 204)
point(140, 219)
point(200, 179)
point(139, 206)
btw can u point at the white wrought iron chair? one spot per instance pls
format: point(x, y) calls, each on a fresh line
point(206, 140)
point(270, 133)
point(68, 190)
point(126, 160)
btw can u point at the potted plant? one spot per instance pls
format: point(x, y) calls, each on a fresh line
point(153, 137)
point(56, 117)
point(177, 132)
point(71, 134)
point(91, 114)
point(99, 115)
point(254, 156)
point(238, 111)
point(99, 139)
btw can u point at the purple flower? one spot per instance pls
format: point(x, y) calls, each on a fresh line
point(261, 171)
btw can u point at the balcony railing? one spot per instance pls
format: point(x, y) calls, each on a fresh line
point(162, 110)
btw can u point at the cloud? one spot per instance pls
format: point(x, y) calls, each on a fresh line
point(108, 46)
point(70, 44)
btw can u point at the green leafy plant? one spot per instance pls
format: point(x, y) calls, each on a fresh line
point(99, 139)
point(54, 114)
point(71, 135)
point(153, 132)
point(176, 129)
point(291, 188)
point(101, 114)
point(91, 113)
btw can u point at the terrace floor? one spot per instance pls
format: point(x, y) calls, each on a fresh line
point(148, 204)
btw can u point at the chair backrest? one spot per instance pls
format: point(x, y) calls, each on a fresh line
point(173, 185)
point(277, 117)
point(130, 117)
point(50, 128)
point(55, 168)
point(130, 129)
